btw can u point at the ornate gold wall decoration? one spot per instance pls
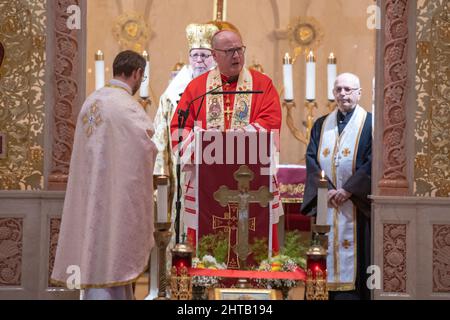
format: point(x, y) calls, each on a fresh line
point(22, 33)
point(11, 241)
point(131, 32)
point(441, 258)
point(394, 180)
point(394, 258)
point(432, 127)
point(305, 34)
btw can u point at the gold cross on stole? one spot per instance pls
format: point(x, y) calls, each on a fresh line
point(346, 152)
point(346, 244)
point(243, 197)
point(228, 113)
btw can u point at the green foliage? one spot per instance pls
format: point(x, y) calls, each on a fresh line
point(215, 245)
point(260, 249)
point(295, 248)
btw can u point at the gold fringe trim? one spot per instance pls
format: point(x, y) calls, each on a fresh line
point(100, 286)
point(341, 286)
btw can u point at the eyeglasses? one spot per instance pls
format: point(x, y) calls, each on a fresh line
point(202, 56)
point(230, 52)
point(144, 78)
point(346, 89)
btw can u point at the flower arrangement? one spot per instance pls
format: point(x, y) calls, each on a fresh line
point(207, 262)
point(280, 263)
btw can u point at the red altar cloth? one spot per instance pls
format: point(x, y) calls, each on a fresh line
point(296, 275)
point(291, 180)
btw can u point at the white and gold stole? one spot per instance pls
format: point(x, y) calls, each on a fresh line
point(215, 112)
point(337, 157)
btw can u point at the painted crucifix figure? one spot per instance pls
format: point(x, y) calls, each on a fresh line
point(243, 196)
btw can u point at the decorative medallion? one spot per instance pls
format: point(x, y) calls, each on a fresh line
point(131, 32)
point(305, 34)
point(92, 120)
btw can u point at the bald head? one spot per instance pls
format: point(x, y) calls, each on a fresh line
point(221, 36)
point(347, 91)
point(228, 51)
point(350, 78)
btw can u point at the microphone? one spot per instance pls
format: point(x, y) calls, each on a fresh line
point(237, 92)
point(209, 92)
point(182, 118)
point(185, 114)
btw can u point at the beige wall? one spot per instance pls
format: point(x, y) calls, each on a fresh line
point(344, 28)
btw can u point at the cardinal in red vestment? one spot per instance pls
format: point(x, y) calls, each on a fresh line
point(246, 112)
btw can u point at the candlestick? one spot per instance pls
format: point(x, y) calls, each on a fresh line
point(162, 237)
point(162, 184)
point(322, 201)
point(332, 74)
point(287, 77)
point(310, 77)
point(145, 85)
point(99, 70)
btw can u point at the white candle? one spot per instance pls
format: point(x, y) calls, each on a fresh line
point(332, 74)
point(322, 201)
point(145, 85)
point(99, 70)
point(311, 77)
point(162, 183)
point(287, 78)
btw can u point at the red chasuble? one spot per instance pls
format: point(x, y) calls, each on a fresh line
point(265, 108)
point(224, 112)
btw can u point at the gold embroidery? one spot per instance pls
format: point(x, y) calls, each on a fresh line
point(92, 119)
point(242, 103)
point(346, 244)
point(326, 152)
point(228, 113)
point(292, 189)
point(346, 152)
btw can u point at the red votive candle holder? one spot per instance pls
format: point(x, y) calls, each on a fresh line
point(317, 260)
point(182, 257)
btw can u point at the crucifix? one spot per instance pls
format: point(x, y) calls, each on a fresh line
point(228, 113)
point(243, 197)
point(229, 224)
point(220, 10)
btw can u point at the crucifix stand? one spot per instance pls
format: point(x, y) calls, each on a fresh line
point(243, 196)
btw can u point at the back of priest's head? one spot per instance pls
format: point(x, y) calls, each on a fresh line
point(126, 62)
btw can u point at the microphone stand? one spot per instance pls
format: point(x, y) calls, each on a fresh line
point(182, 119)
